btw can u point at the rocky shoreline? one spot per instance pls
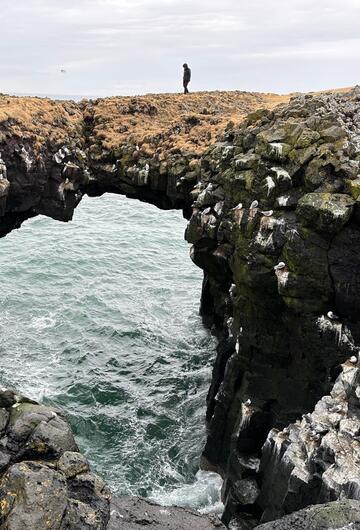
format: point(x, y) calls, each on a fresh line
point(273, 213)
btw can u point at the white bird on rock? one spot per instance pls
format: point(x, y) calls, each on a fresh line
point(208, 210)
point(279, 266)
point(353, 359)
point(268, 213)
point(254, 204)
point(248, 402)
point(238, 207)
point(332, 316)
point(232, 289)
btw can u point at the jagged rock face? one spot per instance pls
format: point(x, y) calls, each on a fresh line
point(52, 152)
point(318, 457)
point(275, 227)
point(341, 515)
point(274, 223)
point(44, 481)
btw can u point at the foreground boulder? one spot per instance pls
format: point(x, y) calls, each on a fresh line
point(45, 483)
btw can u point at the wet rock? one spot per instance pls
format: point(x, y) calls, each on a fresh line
point(91, 490)
point(246, 491)
point(242, 521)
point(4, 418)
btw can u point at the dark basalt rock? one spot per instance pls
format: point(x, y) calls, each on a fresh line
point(45, 483)
point(279, 351)
point(32, 496)
point(275, 225)
point(317, 459)
point(340, 515)
point(135, 513)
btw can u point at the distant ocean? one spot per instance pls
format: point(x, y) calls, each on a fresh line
point(74, 97)
point(100, 317)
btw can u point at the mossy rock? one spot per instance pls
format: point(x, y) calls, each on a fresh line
point(353, 187)
point(325, 212)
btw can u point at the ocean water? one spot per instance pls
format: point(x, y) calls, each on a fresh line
point(100, 318)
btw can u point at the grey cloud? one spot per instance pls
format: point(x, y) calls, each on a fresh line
point(136, 46)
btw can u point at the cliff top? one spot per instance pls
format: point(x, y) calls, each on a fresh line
point(186, 123)
point(176, 122)
point(167, 122)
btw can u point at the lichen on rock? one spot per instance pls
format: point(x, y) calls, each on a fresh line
point(290, 224)
point(274, 222)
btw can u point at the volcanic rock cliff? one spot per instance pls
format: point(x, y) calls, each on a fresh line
point(273, 209)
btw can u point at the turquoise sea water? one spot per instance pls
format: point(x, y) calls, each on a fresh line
point(100, 317)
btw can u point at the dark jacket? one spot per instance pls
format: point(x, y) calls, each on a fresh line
point(187, 75)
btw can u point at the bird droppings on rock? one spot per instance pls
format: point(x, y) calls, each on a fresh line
point(275, 336)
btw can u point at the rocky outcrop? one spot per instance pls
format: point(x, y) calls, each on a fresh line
point(274, 219)
point(136, 513)
point(44, 481)
point(341, 515)
point(318, 457)
point(275, 227)
point(52, 152)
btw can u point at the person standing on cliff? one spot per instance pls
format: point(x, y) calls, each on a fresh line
point(186, 78)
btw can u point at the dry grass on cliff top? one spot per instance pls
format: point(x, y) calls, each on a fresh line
point(158, 123)
point(173, 122)
point(38, 120)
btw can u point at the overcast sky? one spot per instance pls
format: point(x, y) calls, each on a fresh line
point(137, 46)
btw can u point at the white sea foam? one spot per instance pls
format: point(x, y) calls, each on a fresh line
point(44, 322)
point(204, 494)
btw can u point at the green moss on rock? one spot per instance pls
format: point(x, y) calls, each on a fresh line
point(325, 212)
